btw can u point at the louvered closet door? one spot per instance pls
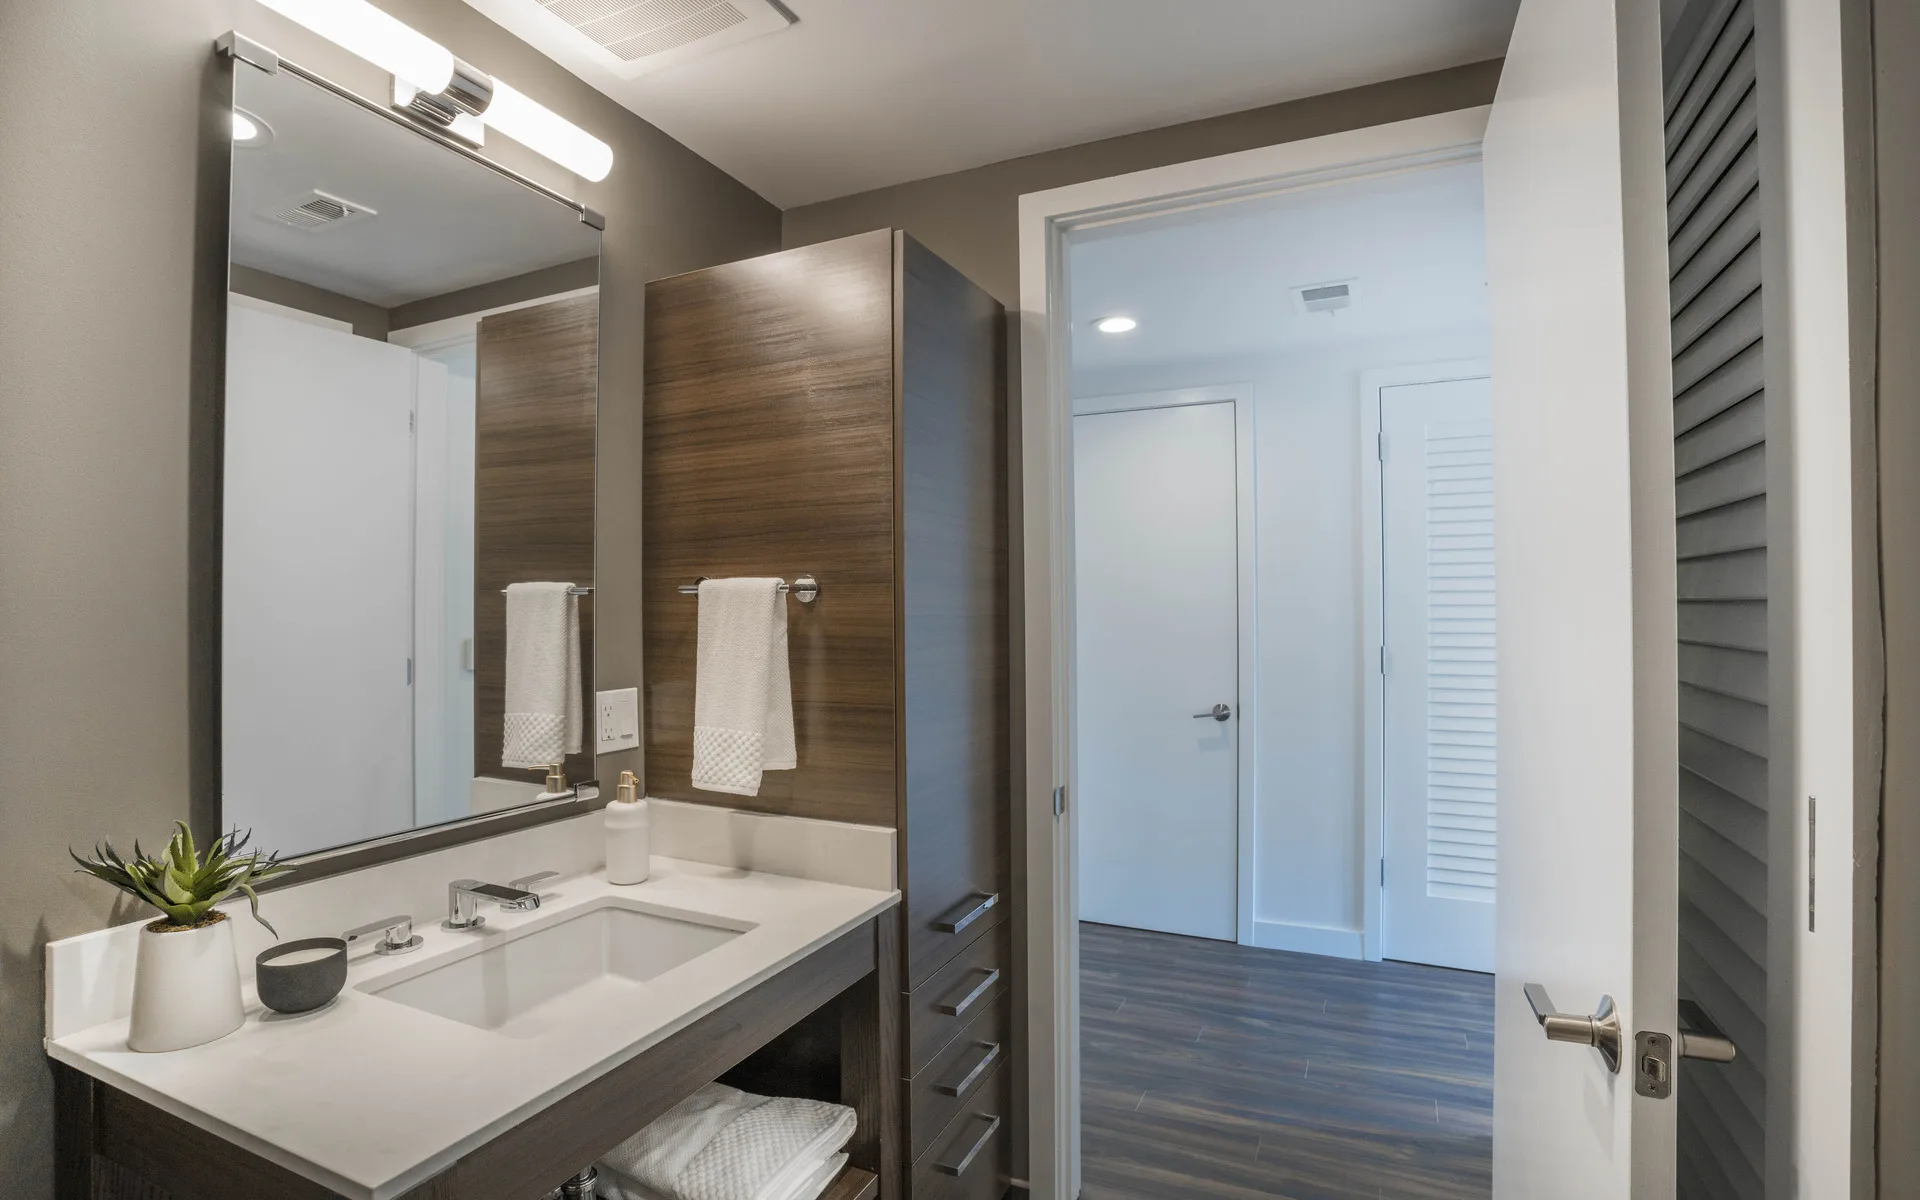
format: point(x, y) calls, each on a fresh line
point(1441, 728)
point(1713, 174)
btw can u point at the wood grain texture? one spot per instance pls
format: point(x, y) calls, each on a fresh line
point(986, 1175)
point(853, 1184)
point(952, 605)
point(870, 1059)
point(149, 1148)
point(768, 451)
point(930, 1104)
point(538, 401)
point(969, 983)
point(1222, 1072)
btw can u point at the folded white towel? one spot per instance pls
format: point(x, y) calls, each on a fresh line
point(723, 1144)
point(615, 1186)
point(743, 693)
point(544, 710)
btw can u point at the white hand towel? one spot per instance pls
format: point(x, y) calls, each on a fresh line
point(743, 693)
point(724, 1144)
point(544, 710)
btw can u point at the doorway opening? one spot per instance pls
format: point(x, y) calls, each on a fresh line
point(1285, 731)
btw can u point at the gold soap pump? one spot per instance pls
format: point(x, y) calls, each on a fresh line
point(629, 833)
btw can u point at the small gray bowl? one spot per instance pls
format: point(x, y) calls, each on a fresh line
point(308, 982)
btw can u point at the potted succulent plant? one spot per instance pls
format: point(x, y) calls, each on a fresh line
point(186, 983)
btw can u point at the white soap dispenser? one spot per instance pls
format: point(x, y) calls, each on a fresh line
point(629, 834)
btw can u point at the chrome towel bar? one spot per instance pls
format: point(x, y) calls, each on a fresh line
point(804, 588)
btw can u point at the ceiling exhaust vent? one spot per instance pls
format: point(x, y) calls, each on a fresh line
point(1325, 297)
point(320, 210)
point(633, 37)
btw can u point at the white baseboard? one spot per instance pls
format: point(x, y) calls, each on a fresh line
point(1307, 939)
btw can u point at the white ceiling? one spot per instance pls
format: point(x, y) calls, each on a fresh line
point(861, 94)
point(443, 222)
point(1218, 283)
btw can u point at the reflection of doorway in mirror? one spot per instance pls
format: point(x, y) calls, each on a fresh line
point(443, 574)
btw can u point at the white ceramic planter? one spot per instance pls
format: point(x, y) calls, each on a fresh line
point(186, 988)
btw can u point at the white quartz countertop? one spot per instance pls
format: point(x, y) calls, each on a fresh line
point(370, 1097)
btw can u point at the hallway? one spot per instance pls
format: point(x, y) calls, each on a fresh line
point(1213, 1070)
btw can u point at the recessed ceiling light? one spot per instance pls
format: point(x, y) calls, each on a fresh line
point(249, 130)
point(1116, 325)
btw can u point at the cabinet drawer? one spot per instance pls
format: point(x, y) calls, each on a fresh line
point(972, 1157)
point(957, 993)
point(955, 1076)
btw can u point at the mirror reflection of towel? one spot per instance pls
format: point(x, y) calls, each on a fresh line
point(743, 691)
point(545, 715)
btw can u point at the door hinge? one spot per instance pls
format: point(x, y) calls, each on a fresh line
point(1385, 662)
point(1813, 808)
point(1383, 870)
point(1060, 800)
point(1380, 445)
point(411, 418)
point(409, 672)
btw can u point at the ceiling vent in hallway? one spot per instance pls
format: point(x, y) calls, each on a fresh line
point(319, 210)
point(1325, 297)
point(633, 37)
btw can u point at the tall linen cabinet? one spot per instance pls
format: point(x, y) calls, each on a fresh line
point(839, 411)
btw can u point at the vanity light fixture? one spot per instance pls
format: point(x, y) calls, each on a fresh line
point(442, 89)
point(387, 43)
point(1116, 325)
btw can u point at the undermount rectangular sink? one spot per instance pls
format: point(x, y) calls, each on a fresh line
point(533, 979)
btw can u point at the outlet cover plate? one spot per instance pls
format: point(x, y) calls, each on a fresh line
point(617, 720)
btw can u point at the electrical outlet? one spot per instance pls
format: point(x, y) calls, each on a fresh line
point(617, 720)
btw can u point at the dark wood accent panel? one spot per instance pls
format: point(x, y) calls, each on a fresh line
point(579, 1128)
point(870, 1065)
point(952, 603)
point(986, 1176)
point(538, 393)
point(968, 983)
point(1216, 1071)
point(769, 451)
point(148, 1149)
point(965, 1063)
point(853, 1184)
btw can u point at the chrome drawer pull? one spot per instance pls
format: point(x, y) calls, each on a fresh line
point(971, 998)
point(991, 1056)
point(960, 1168)
point(981, 902)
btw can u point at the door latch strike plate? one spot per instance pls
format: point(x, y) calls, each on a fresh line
point(1653, 1065)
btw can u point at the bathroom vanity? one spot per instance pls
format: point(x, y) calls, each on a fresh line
point(490, 1065)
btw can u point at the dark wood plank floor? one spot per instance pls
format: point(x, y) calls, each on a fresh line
point(1211, 1070)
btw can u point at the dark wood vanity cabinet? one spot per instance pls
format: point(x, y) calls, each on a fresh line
point(840, 410)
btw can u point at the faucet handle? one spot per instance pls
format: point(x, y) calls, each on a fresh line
point(526, 882)
point(396, 935)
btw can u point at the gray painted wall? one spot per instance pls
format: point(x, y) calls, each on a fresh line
point(110, 276)
point(971, 218)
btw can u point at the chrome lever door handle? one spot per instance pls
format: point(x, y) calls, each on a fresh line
point(1601, 1030)
point(1701, 1038)
point(1218, 712)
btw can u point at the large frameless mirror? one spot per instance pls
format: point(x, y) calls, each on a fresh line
point(409, 432)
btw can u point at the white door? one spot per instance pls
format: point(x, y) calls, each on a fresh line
point(317, 585)
point(1583, 500)
point(1437, 547)
point(1157, 580)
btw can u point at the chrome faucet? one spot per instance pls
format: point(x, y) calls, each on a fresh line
point(464, 897)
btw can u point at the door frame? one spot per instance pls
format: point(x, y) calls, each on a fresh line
point(1046, 220)
point(1246, 700)
point(1373, 633)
